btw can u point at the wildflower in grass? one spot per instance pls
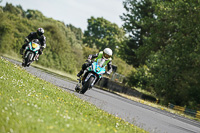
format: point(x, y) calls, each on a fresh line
point(117, 124)
point(11, 130)
point(114, 130)
point(58, 98)
point(7, 119)
point(67, 125)
point(50, 127)
point(68, 117)
point(40, 120)
point(62, 130)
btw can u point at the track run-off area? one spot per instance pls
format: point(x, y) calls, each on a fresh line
point(149, 118)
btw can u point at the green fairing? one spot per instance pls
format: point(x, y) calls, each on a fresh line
point(101, 56)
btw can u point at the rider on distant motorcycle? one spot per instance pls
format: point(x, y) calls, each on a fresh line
point(106, 54)
point(35, 35)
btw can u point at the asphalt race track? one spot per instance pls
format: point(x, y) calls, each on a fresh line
point(149, 118)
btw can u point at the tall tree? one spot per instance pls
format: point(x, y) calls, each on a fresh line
point(166, 38)
point(101, 33)
point(78, 32)
point(175, 67)
point(138, 14)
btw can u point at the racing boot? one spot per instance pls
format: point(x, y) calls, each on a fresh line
point(80, 73)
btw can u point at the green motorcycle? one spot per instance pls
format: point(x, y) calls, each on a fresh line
point(31, 53)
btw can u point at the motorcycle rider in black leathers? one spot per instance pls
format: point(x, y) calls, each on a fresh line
point(35, 35)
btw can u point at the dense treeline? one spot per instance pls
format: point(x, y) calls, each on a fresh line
point(16, 24)
point(65, 50)
point(164, 41)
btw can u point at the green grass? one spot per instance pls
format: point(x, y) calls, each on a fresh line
point(16, 57)
point(29, 105)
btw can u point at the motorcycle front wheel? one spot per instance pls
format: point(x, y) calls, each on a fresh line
point(87, 85)
point(28, 60)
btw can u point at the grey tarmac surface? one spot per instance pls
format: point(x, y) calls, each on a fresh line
point(149, 118)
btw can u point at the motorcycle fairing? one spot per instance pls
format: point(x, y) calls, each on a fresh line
point(96, 71)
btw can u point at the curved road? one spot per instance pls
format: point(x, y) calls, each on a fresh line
point(149, 118)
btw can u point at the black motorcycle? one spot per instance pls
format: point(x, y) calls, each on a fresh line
point(31, 53)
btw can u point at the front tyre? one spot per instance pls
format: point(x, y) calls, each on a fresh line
point(87, 85)
point(77, 88)
point(28, 60)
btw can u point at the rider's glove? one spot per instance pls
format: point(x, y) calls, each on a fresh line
point(89, 60)
point(40, 51)
point(108, 73)
point(42, 47)
point(26, 40)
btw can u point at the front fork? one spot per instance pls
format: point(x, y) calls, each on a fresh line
point(80, 84)
point(88, 76)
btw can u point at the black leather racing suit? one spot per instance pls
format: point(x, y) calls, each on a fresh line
point(34, 35)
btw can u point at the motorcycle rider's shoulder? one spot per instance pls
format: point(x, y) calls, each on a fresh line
point(100, 52)
point(33, 33)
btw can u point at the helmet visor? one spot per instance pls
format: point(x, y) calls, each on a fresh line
point(106, 55)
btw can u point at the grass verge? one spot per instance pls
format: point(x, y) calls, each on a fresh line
point(74, 78)
point(29, 105)
point(49, 70)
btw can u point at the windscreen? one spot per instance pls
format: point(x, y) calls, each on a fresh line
point(101, 61)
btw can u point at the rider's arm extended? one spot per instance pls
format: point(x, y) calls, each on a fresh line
point(109, 67)
point(92, 56)
point(43, 42)
point(29, 37)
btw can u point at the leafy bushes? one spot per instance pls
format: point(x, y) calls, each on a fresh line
point(165, 38)
point(139, 77)
point(65, 50)
point(17, 24)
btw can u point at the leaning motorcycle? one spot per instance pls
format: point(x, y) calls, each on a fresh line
point(31, 53)
point(91, 75)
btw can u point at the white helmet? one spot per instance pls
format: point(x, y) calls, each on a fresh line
point(107, 53)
